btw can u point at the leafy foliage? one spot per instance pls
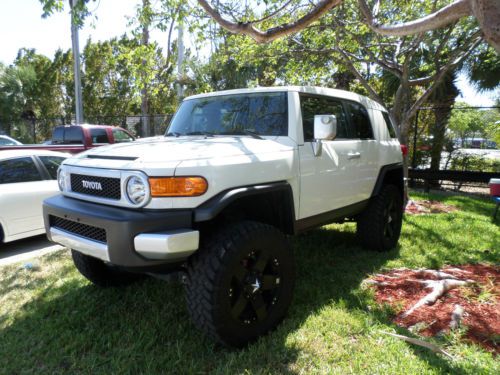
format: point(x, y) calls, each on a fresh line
point(472, 123)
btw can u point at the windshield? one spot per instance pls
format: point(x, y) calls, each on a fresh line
point(257, 113)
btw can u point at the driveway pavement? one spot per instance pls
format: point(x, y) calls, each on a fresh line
point(26, 249)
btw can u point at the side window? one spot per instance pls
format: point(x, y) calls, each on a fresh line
point(51, 163)
point(389, 124)
point(18, 170)
point(121, 136)
point(318, 105)
point(58, 135)
point(99, 135)
point(73, 135)
point(360, 121)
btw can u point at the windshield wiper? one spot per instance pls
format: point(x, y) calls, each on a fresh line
point(173, 134)
point(244, 132)
point(206, 134)
point(252, 134)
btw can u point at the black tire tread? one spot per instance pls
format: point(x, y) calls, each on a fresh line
point(370, 225)
point(202, 286)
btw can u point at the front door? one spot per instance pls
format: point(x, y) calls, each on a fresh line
point(338, 176)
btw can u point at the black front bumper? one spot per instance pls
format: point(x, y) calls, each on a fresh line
point(112, 227)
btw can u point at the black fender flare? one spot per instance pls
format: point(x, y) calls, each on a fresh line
point(383, 173)
point(215, 205)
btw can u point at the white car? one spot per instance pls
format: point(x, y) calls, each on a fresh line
point(8, 141)
point(27, 177)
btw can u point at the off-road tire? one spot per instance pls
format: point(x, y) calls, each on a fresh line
point(240, 283)
point(101, 274)
point(379, 226)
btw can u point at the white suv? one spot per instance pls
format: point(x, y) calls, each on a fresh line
point(215, 196)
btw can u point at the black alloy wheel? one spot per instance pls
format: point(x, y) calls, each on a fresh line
point(240, 283)
point(390, 220)
point(254, 287)
point(379, 226)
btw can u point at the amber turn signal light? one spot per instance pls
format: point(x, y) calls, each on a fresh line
point(177, 186)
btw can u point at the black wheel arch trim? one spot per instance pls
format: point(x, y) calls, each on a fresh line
point(381, 176)
point(215, 205)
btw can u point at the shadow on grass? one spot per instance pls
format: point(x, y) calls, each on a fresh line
point(145, 328)
point(18, 277)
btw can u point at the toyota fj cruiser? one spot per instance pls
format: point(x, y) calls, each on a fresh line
point(216, 196)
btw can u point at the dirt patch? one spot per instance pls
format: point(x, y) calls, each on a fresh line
point(467, 297)
point(428, 207)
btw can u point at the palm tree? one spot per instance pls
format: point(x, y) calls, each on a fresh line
point(16, 88)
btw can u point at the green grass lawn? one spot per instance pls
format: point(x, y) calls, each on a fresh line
point(53, 321)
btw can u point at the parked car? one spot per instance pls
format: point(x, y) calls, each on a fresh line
point(27, 177)
point(8, 141)
point(78, 138)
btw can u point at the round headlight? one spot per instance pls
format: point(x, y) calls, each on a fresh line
point(61, 179)
point(136, 190)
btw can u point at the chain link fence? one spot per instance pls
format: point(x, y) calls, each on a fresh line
point(457, 150)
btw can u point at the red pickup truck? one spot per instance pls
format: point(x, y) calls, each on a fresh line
point(78, 138)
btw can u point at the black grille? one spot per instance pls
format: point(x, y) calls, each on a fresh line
point(82, 230)
point(104, 187)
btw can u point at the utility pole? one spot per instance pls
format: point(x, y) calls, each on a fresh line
point(145, 129)
point(76, 65)
point(180, 60)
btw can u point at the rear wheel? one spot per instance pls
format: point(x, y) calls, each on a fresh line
point(100, 273)
point(240, 283)
point(379, 226)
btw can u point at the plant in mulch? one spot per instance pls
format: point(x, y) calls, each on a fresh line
point(436, 302)
point(418, 207)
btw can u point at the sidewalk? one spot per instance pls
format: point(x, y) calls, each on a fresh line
point(26, 249)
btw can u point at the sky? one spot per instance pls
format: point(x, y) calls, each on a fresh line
point(21, 25)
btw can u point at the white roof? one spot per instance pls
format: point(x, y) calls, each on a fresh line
point(341, 94)
point(7, 154)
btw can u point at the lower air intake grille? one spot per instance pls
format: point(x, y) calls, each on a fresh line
point(82, 230)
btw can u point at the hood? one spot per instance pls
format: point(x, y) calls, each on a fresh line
point(171, 150)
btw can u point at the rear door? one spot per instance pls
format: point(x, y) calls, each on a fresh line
point(364, 154)
point(23, 188)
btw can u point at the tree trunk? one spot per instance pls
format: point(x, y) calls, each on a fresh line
point(438, 131)
point(442, 100)
point(487, 13)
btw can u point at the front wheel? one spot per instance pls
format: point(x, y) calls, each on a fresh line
point(379, 226)
point(240, 283)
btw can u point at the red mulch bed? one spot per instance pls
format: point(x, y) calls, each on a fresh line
point(428, 207)
point(480, 301)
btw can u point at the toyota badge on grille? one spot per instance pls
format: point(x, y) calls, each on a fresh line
point(94, 185)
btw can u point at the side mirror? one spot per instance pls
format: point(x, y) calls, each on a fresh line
point(325, 127)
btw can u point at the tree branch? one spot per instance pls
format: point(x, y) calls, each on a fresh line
point(248, 28)
point(440, 18)
point(455, 60)
point(420, 81)
point(388, 65)
point(371, 92)
point(272, 14)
